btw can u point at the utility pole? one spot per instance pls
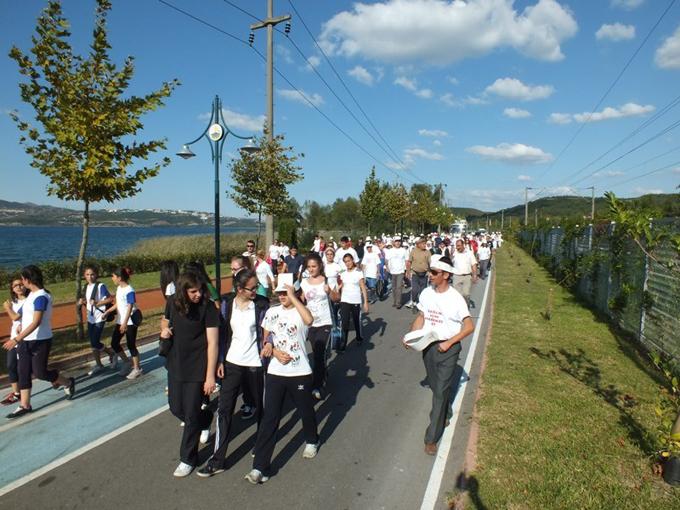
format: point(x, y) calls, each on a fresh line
point(502, 219)
point(592, 203)
point(526, 205)
point(535, 217)
point(269, 23)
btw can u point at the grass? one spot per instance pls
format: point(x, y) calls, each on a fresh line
point(63, 292)
point(175, 246)
point(566, 413)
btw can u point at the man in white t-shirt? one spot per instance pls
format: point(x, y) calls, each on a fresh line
point(395, 260)
point(443, 311)
point(275, 253)
point(345, 247)
point(464, 270)
point(369, 266)
point(484, 255)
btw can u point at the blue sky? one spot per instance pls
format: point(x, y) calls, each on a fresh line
point(483, 96)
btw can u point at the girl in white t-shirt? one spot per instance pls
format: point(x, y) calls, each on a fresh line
point(169, 275)
point(96, 299)
point(12, 307)
point(315, 294)
point(285, 328)
point(125, 305)
point(352, 290)
point(265, 277)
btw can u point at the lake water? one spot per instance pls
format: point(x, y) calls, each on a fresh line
point(26, 245)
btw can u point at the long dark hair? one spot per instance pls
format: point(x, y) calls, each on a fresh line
point(197, 267)
point(123, 273)
point(316, 258)
point(188, 280)
point(34, 275)
point(169, 274)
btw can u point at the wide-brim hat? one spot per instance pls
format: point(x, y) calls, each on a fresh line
point(418, 340)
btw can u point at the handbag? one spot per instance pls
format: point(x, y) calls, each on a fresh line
point(137, 317)
point(110, 317)
point(165, 344)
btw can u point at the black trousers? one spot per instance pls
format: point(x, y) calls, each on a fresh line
point(348, 310)
point(32, 359)
point(130, 340)
point(233, 381)
point(12, 365)
point(276, 387)
point(319, 338)
point(185, 399)
point(418, 283)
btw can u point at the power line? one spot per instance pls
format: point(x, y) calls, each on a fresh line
point(302, 94)
point(604, 96)
point(657, 170)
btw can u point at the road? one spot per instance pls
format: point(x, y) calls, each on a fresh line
point(115, 445)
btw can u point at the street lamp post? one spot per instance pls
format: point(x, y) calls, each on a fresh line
point(215, 133)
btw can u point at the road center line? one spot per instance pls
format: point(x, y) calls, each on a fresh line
point(77, 453)
point(437, 473)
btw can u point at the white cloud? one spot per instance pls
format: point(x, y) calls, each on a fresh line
point(438, 143)
point(440, 31)
point(559, 118)
point(629, 5)
point(676, 170)
point(516, 153)
point(411, 84)
point(284, 53)
point(362, 75)
point(436, 133)
point(647, 191)
point(667, 55)
point(615, 32)
point(452, 80)
point(299, 97)
point(238, 121)
point(417, 152)
point(512, 88)
point(609, 173)
point(312, 62)
point(449, 100)
point(524, 178)
point(516, 113)
point(627, 110)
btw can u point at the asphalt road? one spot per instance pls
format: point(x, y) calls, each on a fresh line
point(73, 455)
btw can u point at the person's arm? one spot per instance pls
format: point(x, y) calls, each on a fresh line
point(37, 319)
point(364, 293)
point(417, 324)
point(106, 298)
point(10, 313)
point(468, 327)
point(126, 318)
point(209, 384)
point(306, 315)
point(268, 347)
point(474, 269)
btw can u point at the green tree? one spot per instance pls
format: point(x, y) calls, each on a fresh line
point(82, 138)
point(260, 178)
point(423, 206)
point(396, 203)
point(370, 200)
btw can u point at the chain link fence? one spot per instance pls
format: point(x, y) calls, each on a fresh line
point(638, 293)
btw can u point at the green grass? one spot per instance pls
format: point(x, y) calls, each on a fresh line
point(64, 292)
point(175, 246)
point(566, 412)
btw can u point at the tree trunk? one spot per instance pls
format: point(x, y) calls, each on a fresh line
point(79, 270)
point(259, 228)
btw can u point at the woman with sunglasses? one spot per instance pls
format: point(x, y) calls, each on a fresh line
point(285, 327)
point(315, 294)
point(443, 310)
point(352, 293)
point(12, 306)
point(239, 365)
point(192, 322)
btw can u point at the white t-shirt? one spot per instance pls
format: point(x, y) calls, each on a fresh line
point(243, 348)
point(340, 253)
point(444, 311)
point(351, 290)
point(274, 252)
point(16, 308)
point(484, 253)
point(463, 262)
point(170, 289)
point(38, 301)
point(370, 264)
point(262, 271)
point(289, 333)
point(94, 313)
point(331, 270)
point(317, 303)
point(396, 260)
point(125, 296)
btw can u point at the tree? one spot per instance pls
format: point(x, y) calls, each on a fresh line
point(260, 178)
point(423, 205)
point(396, 203)
point(370, 199)
point(81, 141)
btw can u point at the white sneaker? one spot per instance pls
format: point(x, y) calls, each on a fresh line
point(181, 424)
point(95, 370)
point(135, 373)
point(310, 451)
point(255, 476)
point(183, 470)
point(205, 436)
point(409, 304)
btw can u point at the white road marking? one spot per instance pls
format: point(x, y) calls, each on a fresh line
point(67, 458)
point(437, 473)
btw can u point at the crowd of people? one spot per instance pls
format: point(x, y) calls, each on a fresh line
point(253, 340)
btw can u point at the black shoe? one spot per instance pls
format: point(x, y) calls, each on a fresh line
point(19, 411)
point(70, 390)
point(209, 470)
point(247, 412)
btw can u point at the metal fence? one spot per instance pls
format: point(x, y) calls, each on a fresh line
point(639, 294)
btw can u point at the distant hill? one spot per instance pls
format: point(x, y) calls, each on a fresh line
point(573, 207)
point(29, 214)
point(465, 212)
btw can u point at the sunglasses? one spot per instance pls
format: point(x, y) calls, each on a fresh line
point(434, 272)
point(250, 246)
point(250, 289)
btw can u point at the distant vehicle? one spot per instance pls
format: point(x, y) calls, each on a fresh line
point(459, 227)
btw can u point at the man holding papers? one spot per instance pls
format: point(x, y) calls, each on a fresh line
point(442, 322)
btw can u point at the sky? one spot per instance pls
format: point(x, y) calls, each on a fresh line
point(484, 96)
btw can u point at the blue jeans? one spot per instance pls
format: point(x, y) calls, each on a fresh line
point(94, 332)
point(370, 285)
